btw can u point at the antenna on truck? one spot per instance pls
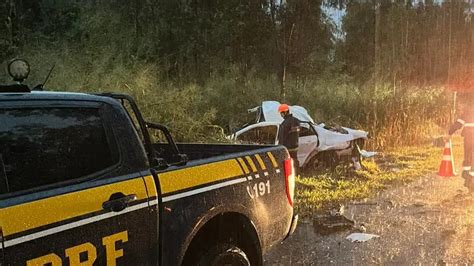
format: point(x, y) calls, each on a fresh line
point(40, 87)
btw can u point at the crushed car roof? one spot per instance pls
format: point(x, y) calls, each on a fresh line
point(270, 112)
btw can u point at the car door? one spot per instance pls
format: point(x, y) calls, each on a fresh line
point(308, 142)
point(70, 198)
point(259, 134)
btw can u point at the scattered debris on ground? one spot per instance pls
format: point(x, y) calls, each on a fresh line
point(327, 224)
point(424, 222)
point(360, 237)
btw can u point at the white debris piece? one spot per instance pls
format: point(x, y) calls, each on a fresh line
point(360, 237)
point(367, 154)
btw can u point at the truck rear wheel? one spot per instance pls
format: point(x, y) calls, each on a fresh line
point(228, 239)
point(224, 254)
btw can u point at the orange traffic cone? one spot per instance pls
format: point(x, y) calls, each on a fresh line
point(446, 168)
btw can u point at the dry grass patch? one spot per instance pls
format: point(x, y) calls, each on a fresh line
point(393, 167)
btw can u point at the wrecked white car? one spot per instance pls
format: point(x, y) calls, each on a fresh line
point(319, 145)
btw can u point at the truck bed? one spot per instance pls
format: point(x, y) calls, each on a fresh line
point(198, 151)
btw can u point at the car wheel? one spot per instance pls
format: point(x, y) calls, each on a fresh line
point(340, 170)
point(224, 254)
point(322, 161)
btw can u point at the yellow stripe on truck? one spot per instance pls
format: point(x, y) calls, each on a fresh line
point(260, 162)
point(252, 165)
point(151, 186)
point(198, 175)
point(272, 159)
point(42, 212)
point(244, 166)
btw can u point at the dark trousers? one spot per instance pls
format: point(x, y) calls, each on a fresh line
point(296, 163)
point(468, 153)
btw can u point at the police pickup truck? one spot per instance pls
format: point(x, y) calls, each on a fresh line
point(84, 180)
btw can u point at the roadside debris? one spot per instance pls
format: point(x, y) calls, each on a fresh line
point(368, 154)
point(338, 211)
point(419, 204)
point(327, 224)
point(360, 237)
point(360, 228)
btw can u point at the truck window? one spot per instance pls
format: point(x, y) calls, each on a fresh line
point(259, 135)
point(42, 146)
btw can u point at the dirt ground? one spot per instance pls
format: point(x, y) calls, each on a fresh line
point(429, 221)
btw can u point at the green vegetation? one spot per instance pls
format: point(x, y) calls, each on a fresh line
point(197, 66)
point(396, 166)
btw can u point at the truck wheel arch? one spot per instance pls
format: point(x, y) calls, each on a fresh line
point(226, 226)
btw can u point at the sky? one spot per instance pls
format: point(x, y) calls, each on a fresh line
point(336, 16)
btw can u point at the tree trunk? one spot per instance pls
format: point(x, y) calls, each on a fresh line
point(12, 24)
point(450, 41)
point(377, 44)
point(286, 61)
point(137, 26)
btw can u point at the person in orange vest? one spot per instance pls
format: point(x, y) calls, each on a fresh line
point(466, 122)
point(289, 133)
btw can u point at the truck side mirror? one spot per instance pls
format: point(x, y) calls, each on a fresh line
point(182, 159)
point(158, 163)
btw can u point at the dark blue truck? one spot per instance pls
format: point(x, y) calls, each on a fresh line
point(84, 180)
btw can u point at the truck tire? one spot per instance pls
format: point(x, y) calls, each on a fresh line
point(224, 254)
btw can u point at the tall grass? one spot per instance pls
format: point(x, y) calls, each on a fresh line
point(392, 115)
point(100, 58)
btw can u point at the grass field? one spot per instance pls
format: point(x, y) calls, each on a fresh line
point(392, 167)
